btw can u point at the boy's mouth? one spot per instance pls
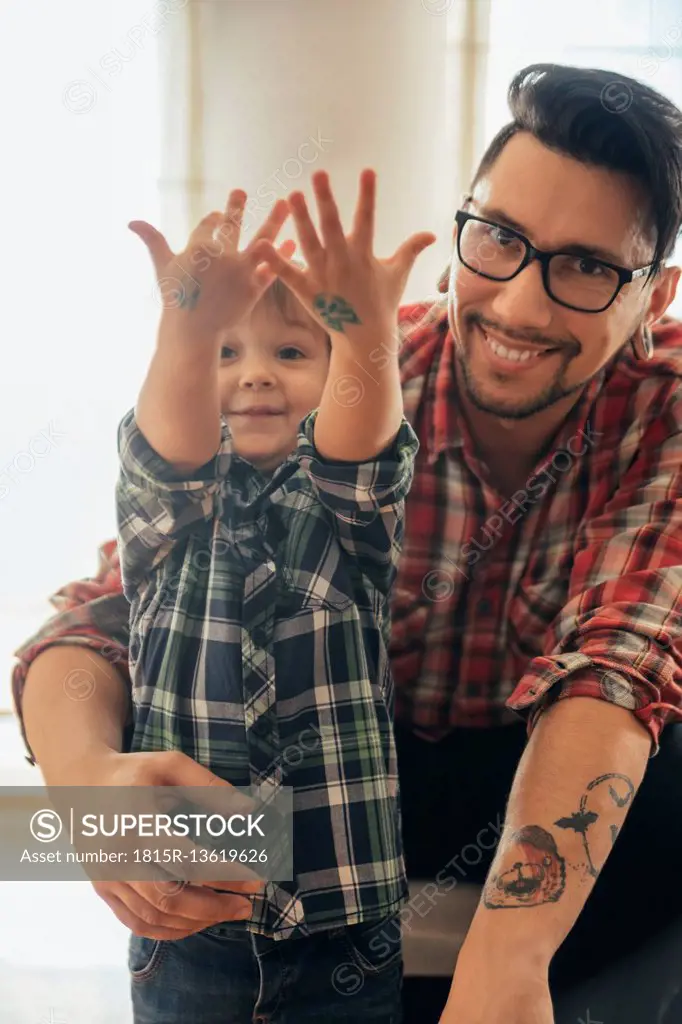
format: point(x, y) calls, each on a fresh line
point(258, 410)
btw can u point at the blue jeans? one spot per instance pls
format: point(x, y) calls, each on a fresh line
point(225, 975)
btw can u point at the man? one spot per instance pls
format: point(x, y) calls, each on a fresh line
point(544, 529)
point(542, 566)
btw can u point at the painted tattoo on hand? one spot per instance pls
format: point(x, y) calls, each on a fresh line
point(335, 311)
point(189, 298)
point(537, 874)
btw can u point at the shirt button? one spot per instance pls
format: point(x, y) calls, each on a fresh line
point(260, 638)
point(485, 606)
point(261, 727)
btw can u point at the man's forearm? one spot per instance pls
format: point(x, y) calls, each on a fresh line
point(74, 703)
point(573, 789)
point(361, 408)
point(178, 409)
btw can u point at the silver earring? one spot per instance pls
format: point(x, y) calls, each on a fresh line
point(643, 343)
point(646, 342)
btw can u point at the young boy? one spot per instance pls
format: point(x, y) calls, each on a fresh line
point(260, 503)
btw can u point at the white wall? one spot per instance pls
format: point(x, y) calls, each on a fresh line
point(300, 85)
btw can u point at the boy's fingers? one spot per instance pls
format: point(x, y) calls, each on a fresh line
point(307, 235)
point(278, 261)
point(273, 223)
point(265, 275)
point(204, 235)
point(407, 253)
point(363, 222)
point(206, 226)
point(330, 222)
point(158, 247)
point(230, 229)
point(287, 249)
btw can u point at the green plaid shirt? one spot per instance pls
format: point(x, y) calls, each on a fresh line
point(258, 646)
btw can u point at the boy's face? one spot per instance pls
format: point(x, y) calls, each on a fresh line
point(273, 371)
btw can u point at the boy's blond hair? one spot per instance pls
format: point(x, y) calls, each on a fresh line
point(281, 299)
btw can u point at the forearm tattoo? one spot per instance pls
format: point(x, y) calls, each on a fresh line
point(335, 311)
point(532, 871)
point(536, 875)
point(583, 819)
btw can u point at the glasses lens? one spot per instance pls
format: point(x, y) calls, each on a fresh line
point(490, 249)
point(582, 282)
point(498, 252)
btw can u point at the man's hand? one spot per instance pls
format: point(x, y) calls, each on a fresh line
point(489, 990)
point(163, 909)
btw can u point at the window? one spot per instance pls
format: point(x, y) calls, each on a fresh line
point(78, 311)
point(639, 38)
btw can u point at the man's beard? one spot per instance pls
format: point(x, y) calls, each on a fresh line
point(553, 393)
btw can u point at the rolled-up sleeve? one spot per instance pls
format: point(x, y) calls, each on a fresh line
point(156, 506)
point(619, 636)
point(366, 500)
point(91, 613)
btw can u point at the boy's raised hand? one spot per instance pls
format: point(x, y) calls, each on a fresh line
point(344, 284)
point(211, 285)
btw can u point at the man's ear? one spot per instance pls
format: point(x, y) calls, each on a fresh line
point(444, 279)
point(663, 294)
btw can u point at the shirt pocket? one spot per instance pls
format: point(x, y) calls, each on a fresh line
point(533, 610)
point(315, 576)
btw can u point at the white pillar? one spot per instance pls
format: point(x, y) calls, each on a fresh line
point(278, 88)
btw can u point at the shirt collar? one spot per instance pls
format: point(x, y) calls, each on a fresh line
point(447, 428)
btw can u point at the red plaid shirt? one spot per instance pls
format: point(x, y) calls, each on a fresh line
point(571, 588)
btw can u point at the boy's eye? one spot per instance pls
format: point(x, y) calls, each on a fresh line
point(226, 352)
point(290, 352)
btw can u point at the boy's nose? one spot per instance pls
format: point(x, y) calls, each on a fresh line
point(257, 375)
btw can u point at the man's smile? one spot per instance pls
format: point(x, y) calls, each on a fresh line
point(513, 356)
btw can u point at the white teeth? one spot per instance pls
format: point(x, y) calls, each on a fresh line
point(511, 354)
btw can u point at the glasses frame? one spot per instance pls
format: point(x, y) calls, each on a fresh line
point(625, 275)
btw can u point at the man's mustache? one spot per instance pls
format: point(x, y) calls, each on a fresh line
point(568, 345)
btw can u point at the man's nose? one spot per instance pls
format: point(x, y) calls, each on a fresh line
point(523, 301)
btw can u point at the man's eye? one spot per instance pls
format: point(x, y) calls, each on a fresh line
point(226, 352)
point(502, 237)
point(290, 352)
point(587, 267)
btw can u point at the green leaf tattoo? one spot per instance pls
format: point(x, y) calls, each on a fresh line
point(335, 311)
point(190, 297)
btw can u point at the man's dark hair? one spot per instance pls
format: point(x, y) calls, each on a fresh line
point(607, 120)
